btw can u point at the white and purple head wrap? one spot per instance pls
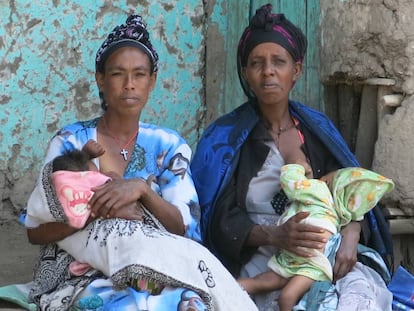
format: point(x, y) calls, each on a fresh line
point(266, 26)
point(132, 33)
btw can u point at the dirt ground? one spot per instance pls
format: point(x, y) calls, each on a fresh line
point(17, 257)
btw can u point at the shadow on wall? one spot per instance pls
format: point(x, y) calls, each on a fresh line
point(356, 108)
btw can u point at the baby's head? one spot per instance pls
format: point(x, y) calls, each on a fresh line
point(75, 161)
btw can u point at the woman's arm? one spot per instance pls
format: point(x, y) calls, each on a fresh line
point(49, 233)
point(55, 231)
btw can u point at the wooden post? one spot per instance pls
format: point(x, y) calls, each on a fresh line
point(371, 113)
point(367, 126)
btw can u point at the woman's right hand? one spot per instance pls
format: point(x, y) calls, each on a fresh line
point(297, 237)
point(132, 211)
point(117, 198)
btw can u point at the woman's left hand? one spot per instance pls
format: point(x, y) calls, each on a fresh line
point(112, 196)
point(346, 256)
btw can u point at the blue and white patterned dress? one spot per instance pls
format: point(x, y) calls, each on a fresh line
point(160, 155)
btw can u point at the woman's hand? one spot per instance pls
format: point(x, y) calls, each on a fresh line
point(297, 237)
point(117, 198)
point(346, 256)
point(292, 236)
point(133, 211)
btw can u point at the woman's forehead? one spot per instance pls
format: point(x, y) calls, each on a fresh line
point(268, 48)
point(126, 56)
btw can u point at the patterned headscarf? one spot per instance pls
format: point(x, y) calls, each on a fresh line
point(132, 33)
point(266, 26)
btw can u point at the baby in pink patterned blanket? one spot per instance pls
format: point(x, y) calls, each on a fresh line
point(74, 174)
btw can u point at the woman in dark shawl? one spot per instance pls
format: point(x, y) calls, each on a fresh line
point(236, 170)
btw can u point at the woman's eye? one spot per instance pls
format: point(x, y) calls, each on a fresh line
point(278, 61)
point(255, 63)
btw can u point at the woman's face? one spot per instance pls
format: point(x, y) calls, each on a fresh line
point(127, 81)
point(271, 73)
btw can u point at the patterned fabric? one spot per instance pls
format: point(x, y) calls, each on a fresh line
point(219, 147)
point(72, 190)
point(218, 150)
point(160, 157)
point(132, 33)
point(266, 26)
point(279, 202)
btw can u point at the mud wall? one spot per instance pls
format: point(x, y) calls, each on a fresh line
point(361, 39)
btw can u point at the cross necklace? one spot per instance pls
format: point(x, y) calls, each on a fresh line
point(124, 152)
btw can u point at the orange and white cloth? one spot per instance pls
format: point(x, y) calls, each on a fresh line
point(355, 191)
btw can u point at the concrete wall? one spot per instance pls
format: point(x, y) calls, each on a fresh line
point(47, 52)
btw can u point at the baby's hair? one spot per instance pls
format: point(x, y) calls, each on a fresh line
point(75, 161)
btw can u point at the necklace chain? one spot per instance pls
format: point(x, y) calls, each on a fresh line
point(283, 130)
point(124, 152)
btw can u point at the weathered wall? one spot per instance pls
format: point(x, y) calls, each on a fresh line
point(47, 52)
point(368, 38)
point(368, 68)
point(394, 154)
point(376, 40)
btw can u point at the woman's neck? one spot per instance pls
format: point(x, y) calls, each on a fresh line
point(275, 117)
point(119, 126)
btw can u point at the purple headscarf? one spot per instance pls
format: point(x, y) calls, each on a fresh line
point(266, 26)
point(132, 33)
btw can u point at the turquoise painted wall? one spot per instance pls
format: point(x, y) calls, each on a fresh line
point(47, 52)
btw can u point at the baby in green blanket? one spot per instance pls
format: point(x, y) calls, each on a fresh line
point(332, 201)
